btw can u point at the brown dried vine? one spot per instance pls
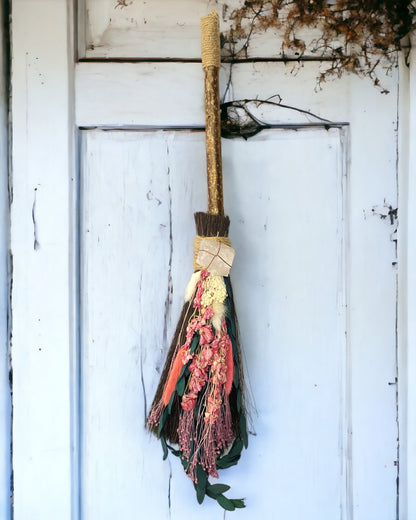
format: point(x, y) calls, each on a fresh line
point(353, 35)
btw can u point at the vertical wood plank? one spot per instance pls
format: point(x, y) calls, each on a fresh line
point(5, 398)
point(40, 214)
point(407, 290)
point(287, 227)
point(125, 251)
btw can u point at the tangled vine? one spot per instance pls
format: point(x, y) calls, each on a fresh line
point(352, 35)
point(358, 36)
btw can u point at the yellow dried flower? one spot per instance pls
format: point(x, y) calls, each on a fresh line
point(214, 290)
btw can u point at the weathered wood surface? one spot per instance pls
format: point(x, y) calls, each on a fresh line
point(407, 287)
point(136, 238)
point(5, 397)
point(42, 340)
point(296, 442)
point(370, 401)
point(171, 94)
point(160, 29)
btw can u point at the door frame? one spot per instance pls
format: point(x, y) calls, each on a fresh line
point(406, 326)
point(43, 300)
point(5, 368)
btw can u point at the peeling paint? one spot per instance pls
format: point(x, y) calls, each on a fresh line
point(384, 211)
point(168, 300)
point(36, 245)
point(150, 196)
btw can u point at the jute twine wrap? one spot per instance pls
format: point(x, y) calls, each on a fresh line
point(197, 243)
point(210, 41)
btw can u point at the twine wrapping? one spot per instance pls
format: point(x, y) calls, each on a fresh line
point(197, 244)
point(210, 41)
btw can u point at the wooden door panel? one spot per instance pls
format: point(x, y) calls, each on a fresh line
point(138, 192)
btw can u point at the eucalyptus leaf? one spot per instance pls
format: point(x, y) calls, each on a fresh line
point(175, 452)
point(238, 502)
point(239, 400)
point(236, 376)
point(227, 462)
point(217, 489)
point(236, 448)
point(194, 343)
point(225, 503)
point(172, 398)
point(180, 386)
point(232, 457)
point(184, 462)
point(162, 421)
point(243, 429)
point(201, 485)
point(164, 446)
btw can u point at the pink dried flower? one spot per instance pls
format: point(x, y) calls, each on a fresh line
point(188, 402)
point(208, 313)
point(206, 335)
point(206, 354)
point(187, 357)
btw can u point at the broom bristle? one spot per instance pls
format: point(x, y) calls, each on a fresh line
point(208, 225)
point(178, 340)
point(199, 402)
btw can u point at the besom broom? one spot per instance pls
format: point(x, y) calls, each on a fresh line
point(199, 403)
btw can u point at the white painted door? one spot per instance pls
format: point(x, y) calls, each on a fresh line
point(108, 168)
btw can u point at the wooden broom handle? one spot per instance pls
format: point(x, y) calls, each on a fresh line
point(211, 61)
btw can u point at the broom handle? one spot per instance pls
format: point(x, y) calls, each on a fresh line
point(211, 61)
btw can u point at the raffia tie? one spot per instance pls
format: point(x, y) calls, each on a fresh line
point(197, 243)
point(210, 38)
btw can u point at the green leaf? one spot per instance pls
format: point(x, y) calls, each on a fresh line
point(238, 502)
point(217, 489)
point(177, 453)
point(236, 449)
point(185, 463)
point(194, 343)
point(236, 376)
point(201, 485)
point(239, 400)
point(164, 446)
point(243, 429)
point(225, 503)
point(172, 398)
point(227, 462)
point(162, 421)
point(232, 457)
point(180, 386)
